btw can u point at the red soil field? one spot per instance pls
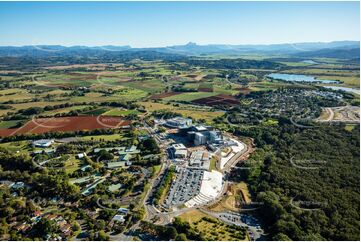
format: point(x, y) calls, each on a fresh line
point(164, 95)
point(67, 124)
point(221, 99)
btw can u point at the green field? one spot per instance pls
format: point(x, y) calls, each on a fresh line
point(120, 112)
point(190, 96)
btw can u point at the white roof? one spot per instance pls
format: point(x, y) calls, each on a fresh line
point(201, 128)
point(211, 183)
point(211, 188)
point(179, 146)
point(118, 217)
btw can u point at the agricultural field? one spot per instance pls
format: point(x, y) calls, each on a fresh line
point(184, 110)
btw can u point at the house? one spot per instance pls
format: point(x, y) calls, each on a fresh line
point(80, 155)
point(85, 168)
point(119, 218)
point(114, 165)
point(47, 151)
point(43, 143)
point(51, 216)
point(123, 210)
point(65, 229)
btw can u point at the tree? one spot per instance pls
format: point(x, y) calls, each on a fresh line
point(181, 237)
point(102, 236)
point(171, 232)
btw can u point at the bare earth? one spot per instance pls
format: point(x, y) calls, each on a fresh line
point(347, 114)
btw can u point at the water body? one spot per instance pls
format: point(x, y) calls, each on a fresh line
point(299, 78)
point(346, 89)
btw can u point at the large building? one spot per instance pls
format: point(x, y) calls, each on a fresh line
point(178, 151)
point(178, 122)
point(199, 159)
point(200, 138)
point(43, 143)
point(201, 135)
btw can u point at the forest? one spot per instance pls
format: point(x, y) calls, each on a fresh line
point(307, 181)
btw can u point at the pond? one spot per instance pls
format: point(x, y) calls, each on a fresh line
point(299, 78)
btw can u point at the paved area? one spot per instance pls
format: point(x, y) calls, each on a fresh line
point(186, 186)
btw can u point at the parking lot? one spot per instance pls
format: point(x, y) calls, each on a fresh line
point(186, 185)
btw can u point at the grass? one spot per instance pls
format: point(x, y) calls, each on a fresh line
point(184, 110)
point(213, 164)
point(16, 146)
point(120, 112)
point(270, 122)
point(65, 110)
point(156, 169)
point(235, 194)
point(71, 165)
point(98, 111)
point(190, 96)
point(111, 137)
point(350, 127)
point(9, 124)
point(149, 86)
point(193, 216)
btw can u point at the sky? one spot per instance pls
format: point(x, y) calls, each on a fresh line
point(155, 24)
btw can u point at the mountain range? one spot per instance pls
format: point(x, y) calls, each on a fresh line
point(335, 49)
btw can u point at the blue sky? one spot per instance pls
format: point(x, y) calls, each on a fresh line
point(151, 24)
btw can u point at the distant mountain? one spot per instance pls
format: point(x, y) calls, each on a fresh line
point(344, 53)
point(344, 49)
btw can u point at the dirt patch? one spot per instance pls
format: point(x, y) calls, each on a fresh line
point(221, 99)
point(346, 114)
point(88, 66)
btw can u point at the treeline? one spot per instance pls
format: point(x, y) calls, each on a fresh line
point(308, 181)
point(179, 230)
point(231, 64)
point(164, 185)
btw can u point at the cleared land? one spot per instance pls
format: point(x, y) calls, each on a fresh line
point(66, 124)
point(220, 99)
point(347, 114)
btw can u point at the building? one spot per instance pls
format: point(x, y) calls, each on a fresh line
point(199, 159)
point(178, 122)
point(123, 210)
point(200, 138)
point(178, 151)
point(119, 218)
point(115, 165)
point(80, 155)
point(215, 137)
point(43, 143)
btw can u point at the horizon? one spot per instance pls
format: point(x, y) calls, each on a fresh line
point(189, 42)
point(161, 24)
